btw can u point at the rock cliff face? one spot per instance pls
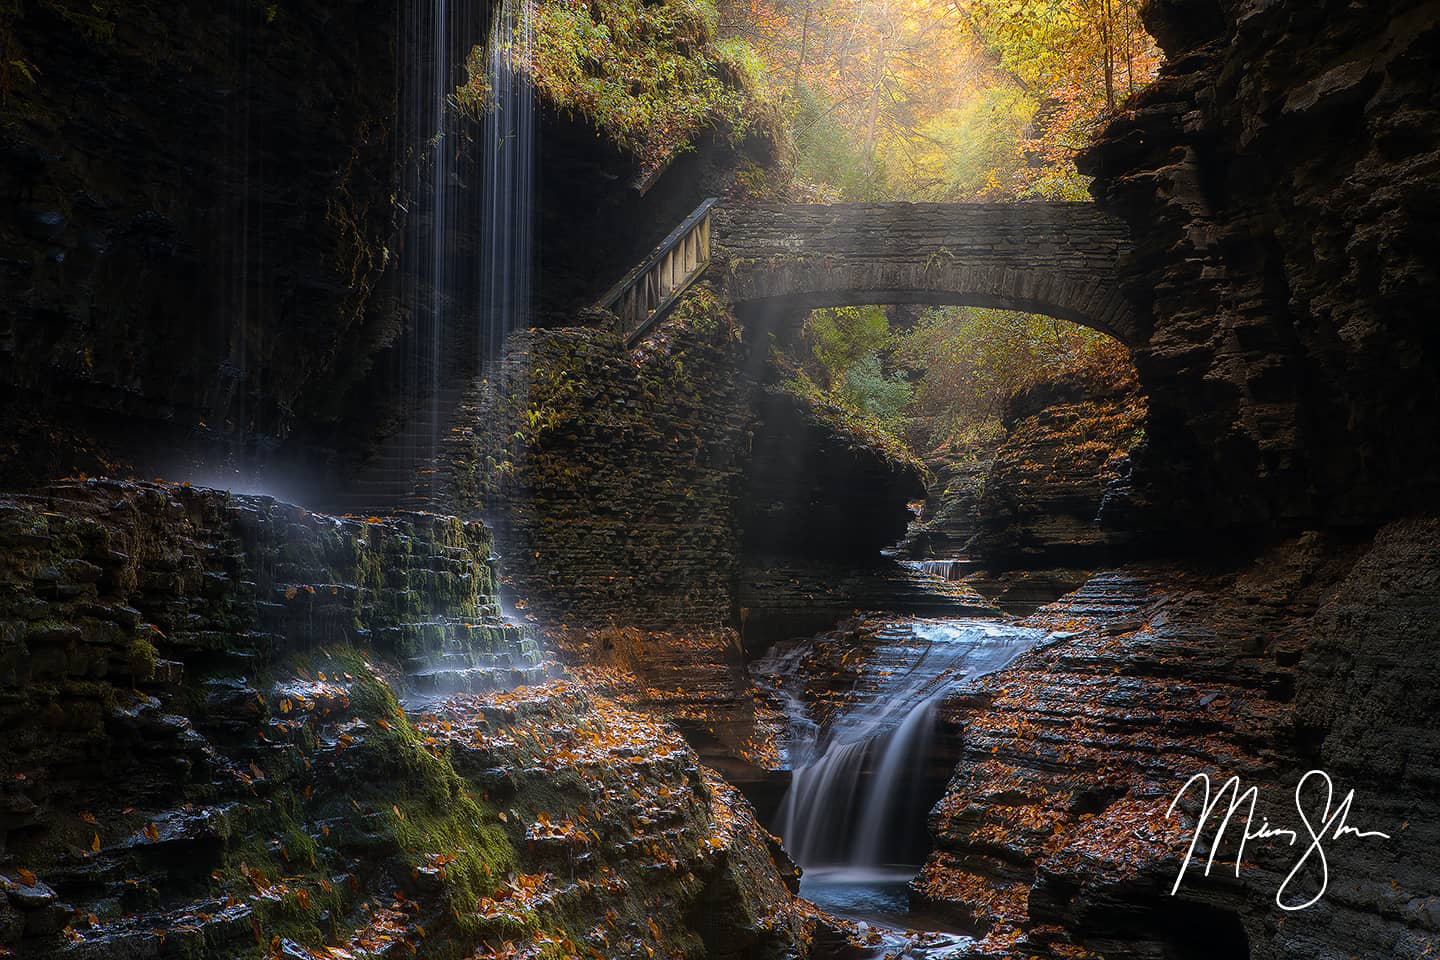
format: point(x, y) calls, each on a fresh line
point(1280, 180)
point(193, 226)
point(205, 754)
point(818, 489)
point(1058, 489)
point(950, 515)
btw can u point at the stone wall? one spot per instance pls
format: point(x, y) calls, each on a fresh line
point(1279, 179)
point(612, 475)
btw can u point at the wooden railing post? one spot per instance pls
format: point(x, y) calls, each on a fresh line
point(649, 291)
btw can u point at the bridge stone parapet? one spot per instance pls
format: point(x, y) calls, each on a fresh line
point(1057, 259)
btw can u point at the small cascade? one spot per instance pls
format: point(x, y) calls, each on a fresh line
point(470, 657)
point(948, 570)
point(865, 775)
point(857, 784)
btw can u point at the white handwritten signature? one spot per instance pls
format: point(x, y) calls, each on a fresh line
point(1332, 825)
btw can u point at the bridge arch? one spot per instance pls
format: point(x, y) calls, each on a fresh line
point(1057, 259)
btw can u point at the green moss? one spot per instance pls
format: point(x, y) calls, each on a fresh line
point(845, 419)
point(142, 654)
point(649, 75)
point(400, 808)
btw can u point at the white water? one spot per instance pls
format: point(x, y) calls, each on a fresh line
point(857, 786)
point(508, 199)
point(468, 197)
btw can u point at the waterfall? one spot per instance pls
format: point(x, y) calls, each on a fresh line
point(507, 253)
point(857, 789)
point(469, 196)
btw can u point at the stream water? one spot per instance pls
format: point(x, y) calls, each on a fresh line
point(864, 779)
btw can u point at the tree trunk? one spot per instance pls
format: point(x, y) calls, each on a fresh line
point(804, 39)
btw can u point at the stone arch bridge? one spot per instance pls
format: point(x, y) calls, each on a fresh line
point(1057, 259)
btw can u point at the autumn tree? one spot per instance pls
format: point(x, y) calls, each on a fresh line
point(947, 99)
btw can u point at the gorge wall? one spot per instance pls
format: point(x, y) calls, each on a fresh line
point(1053, 839)
point(186, 271)
point(1280, 179)
point(1056, 489)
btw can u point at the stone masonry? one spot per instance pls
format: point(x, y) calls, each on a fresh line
point(1059, 259)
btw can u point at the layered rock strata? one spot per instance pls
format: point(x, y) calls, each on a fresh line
point(1059, 489)
point(1279, 179)
point(1053, 840)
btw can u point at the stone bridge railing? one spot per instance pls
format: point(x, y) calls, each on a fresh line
point(1057, 259)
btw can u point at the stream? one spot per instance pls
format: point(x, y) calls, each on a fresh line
point(865, 764)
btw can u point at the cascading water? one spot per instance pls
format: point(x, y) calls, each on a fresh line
point(470, 187)
point(468, 261)
point(858, 790)
point(507, 252)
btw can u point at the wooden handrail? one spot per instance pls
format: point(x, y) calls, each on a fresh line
point(649, 291)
